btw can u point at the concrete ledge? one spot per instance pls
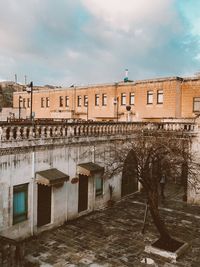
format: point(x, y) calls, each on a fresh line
point(165, 253)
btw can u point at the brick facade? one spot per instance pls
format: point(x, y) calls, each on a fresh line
point(148, 99)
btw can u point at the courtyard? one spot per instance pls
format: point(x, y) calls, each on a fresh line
point(112, 237)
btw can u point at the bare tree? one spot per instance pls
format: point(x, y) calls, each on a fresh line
point(153, 156)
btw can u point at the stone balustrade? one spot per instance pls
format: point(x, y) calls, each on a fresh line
point(13, 131)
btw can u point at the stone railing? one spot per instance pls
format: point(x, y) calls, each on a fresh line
point(15, 131)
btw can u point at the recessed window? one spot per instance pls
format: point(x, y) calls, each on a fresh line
point(67, 101)
point(104, 100)
point(160, 97)
point(61, 101)
point(24, 102)
point(123, 99)
point(99, 185)
point(79, 101)
point(97, 100)
point(20, 203)
point(42, 102)
point(47, 102)
point(196, 104)
point(85, 100)
point(149, 97)
point(132, 99)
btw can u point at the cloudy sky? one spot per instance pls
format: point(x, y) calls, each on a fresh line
point(79, 42)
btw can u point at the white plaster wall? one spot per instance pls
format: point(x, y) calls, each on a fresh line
point(21, 168)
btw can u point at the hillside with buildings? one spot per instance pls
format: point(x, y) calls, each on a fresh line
point(6, 93)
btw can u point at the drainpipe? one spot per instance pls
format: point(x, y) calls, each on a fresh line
point(32, 191)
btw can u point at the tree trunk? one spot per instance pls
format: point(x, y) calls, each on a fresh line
point(159, 223)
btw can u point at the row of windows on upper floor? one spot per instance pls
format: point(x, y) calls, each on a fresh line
point(83, 100)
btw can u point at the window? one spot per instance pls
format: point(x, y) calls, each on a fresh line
point(79, 101)
point(42, 102)
point(20, 101)
point(85, 100)
point(97, 100)
point(99, 185)
point(123, 99)
point(20, 203)
point(61, 101)
point(149, 97)
point(28, 102)
point(104, 100)
point(132, 99)
point(196, 104)
point(160, 97)
point(47, 102)
point(67, 101)
point(24, 102)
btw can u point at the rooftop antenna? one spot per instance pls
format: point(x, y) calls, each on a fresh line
point(25, 79)
point(126, 76)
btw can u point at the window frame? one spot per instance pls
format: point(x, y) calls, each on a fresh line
point(132, 97)
point(85, 100)
point(160, 94)
point(195, 102)
point(61, 101)
point(28, 102)
point(98, 192)
point(123, 99)
point(66, 101)
point(23, 216)
point(79, 101)
point(149, 94)
point(97, 99)
point(24, 102)
point(104, 100)
point(42, 102)
point(47, 102)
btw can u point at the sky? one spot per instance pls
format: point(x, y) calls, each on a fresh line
point(83, 42)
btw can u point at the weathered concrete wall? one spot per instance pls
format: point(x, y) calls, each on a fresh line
point(22, 167)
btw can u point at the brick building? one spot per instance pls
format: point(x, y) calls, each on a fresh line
point(154, 99)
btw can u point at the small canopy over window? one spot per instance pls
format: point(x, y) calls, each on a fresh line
point(89, 168)
point(51, 177)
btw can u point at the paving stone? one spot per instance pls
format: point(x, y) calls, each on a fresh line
point(112, 237)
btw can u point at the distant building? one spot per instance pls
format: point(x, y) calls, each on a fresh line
point(153, 99)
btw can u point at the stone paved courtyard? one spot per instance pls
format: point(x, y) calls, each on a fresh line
point(112, 237)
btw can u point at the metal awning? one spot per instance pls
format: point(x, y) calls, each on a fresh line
point(51, 177)
point(89, 168)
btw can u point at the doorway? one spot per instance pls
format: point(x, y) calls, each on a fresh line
point(44, 205)
point(83, 193)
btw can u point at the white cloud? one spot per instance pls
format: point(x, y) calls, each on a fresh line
point(132, 13)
